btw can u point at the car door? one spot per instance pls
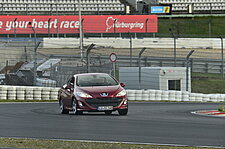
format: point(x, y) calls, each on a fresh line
point(67, 90)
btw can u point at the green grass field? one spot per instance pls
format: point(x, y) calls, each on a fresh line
point(192, 27)
point(207, 83)
point(61, 144)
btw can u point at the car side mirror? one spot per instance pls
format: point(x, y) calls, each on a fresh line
point(122, 84)
point(68, 87)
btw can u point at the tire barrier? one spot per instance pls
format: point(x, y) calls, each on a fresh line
point(11, 93)
point(28, 93)
point(161, 95)
point(45, 93)
point(20, 93)
point(3, 93)
point(37, 93)
point(54, 93)
point(51, 93)
point(165, 95)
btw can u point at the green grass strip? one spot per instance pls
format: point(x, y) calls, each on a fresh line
point(63, 144)
point(221, 108)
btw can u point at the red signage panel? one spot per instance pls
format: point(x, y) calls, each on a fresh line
point(70, 24)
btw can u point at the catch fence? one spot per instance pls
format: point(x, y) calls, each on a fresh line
point(71, 64)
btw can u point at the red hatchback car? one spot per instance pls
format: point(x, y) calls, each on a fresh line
point(93, 92)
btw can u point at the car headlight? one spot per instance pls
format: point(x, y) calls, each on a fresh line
point(121, 93)
point(83, 95)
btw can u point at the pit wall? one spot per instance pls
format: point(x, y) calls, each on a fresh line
point(50, 93)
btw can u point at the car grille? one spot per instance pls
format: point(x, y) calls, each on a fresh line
point(96, 102)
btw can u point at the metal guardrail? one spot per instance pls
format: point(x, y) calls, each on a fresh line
point(196, 64)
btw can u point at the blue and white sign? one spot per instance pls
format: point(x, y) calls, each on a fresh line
point(160, 9)
point(157, 9)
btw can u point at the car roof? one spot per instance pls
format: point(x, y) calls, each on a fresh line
point(81, 74)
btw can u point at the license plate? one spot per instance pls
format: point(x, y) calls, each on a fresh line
point(104, 108)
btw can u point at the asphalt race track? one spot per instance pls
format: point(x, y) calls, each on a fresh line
point(162, 123)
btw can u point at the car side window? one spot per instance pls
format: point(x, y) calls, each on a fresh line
point(71, 81)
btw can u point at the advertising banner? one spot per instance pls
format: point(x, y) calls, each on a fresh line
point(70, 24)
point(160, 9)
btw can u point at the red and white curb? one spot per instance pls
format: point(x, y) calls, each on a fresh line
point(215, 113)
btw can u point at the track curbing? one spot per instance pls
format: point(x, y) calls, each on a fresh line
point(214, 113)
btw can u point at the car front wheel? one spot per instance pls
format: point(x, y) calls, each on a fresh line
point(62, 108)
point(123, 111)
point(75, 108)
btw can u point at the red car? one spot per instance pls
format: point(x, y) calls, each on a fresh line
point(93, 92)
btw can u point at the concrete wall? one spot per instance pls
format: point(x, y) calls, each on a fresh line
point(130, 76)
point(153, 77)
point(137, 42)
point(174, 73)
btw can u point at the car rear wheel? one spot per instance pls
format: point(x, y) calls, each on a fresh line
point(62, 108)
point(123, 111)
point(108, 112)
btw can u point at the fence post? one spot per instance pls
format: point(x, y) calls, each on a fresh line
point(146, 25)
point(192, 63)
point(210, 27)
point(222, 59)
point(160, 63)
point(206, 67)
point(88, 56)
point(130, 48)
point(6, 67)
point(139, 64)
point(25, 50)
point(146, 61)
point(187, 70)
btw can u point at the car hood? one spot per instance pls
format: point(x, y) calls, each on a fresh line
point(95, 91)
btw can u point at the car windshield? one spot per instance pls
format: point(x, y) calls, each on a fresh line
point(95, 80)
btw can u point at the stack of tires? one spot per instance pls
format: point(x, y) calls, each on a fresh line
point(214, 97)
point(138, 94)
point(222, 98)
point(178, 96)
point(11, 93)
point(185, 96)
point(165, 95)
point(29, 93)
point(37, 93)
point(158, 95)
point(3, 92)
point(45, 94)
point(131, 94)
point(199, 97)
point(152, 95)
point(20, 92)
point(145, 95)
point(206, 98)
point(172, 95)
point(54, 93)
point(192, 96)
